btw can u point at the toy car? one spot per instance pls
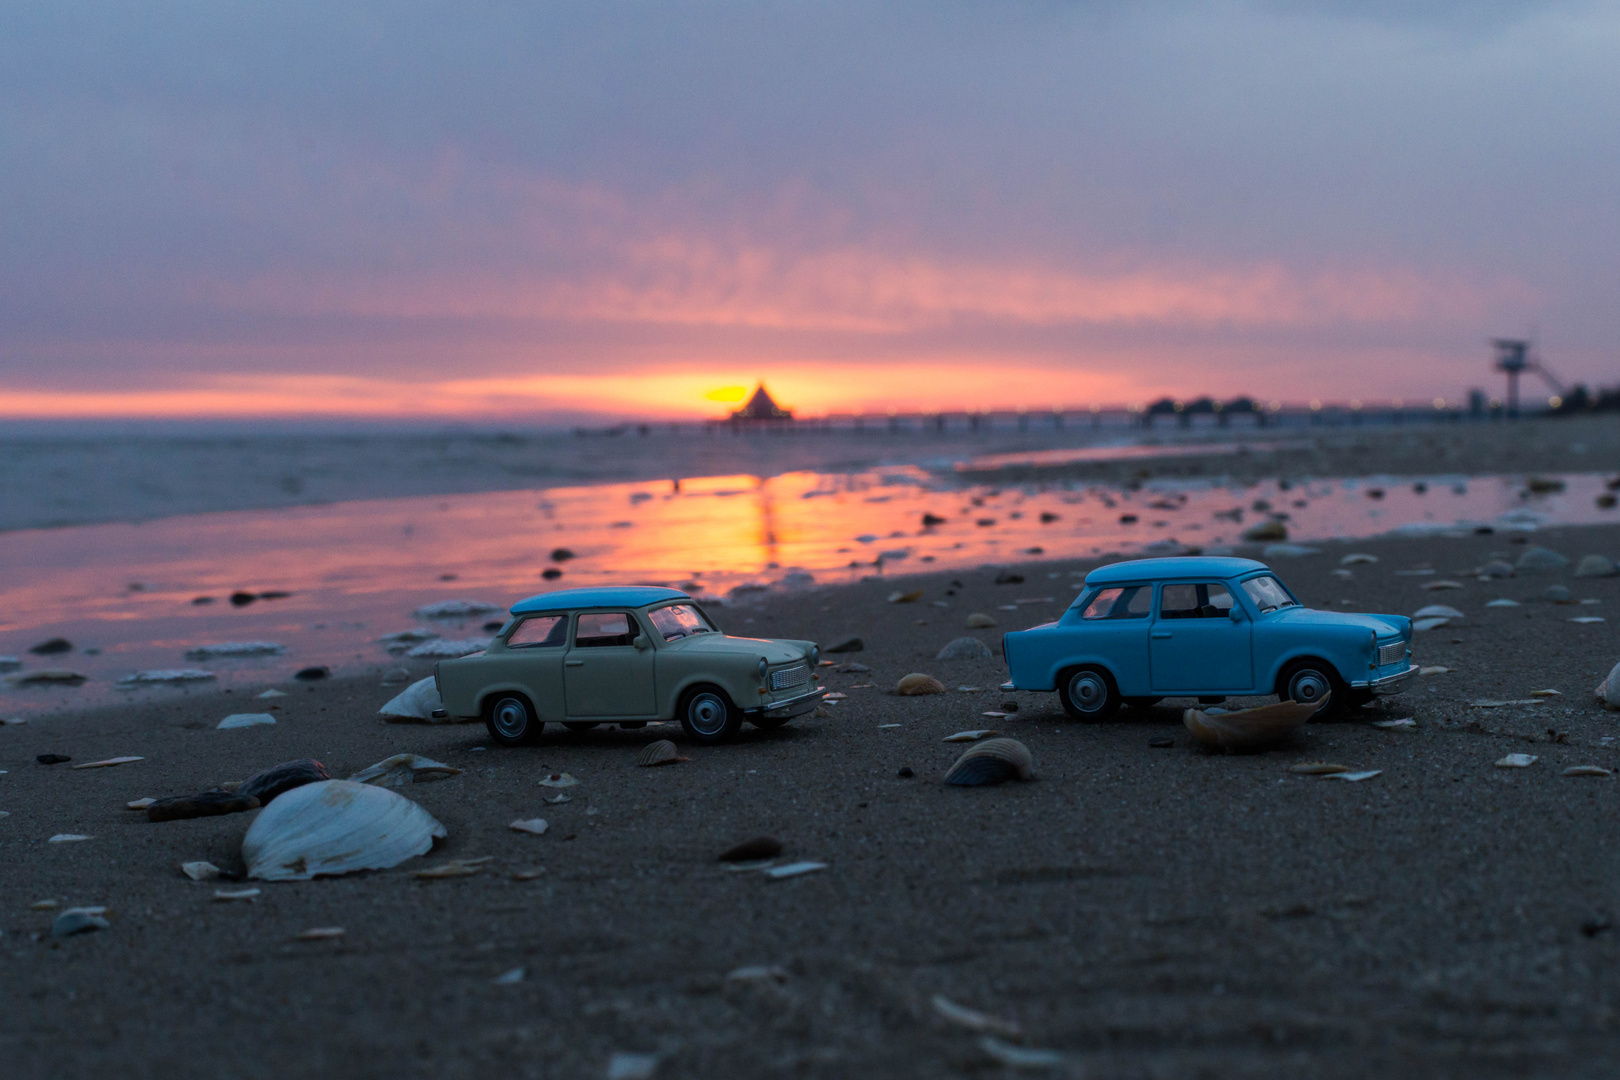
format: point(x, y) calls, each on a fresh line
point(582, 657)
point(1206, 628)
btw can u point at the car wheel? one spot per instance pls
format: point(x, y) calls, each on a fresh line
point(1142, 702)
point(1088, 693)
point(580, 725)
point(511, 720)
point(1311, 682)
point(708, 716)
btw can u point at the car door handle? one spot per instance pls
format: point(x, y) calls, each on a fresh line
point(1161, 634)
point(573, 663)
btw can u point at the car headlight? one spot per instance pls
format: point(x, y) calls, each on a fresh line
point(763, 669)
point(815, 655)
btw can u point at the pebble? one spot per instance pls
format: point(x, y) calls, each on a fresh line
point(1435, 669)
point(242, 720)
point(776, 873)
point(754, 849)
point(62, 676)
point(313, 674)
point(532, 826)
point(9, 663)
point(1595, 566)
point(1517, 761)
point(52, 759)
point(917, 684)
point(320, 933)
point(1587, 770)
point(1266, 530)
point(965, 648)
point(911, 597)
point(1357, 558)
point(1558, 594)
point(52, 647)
point(980, 621)
point(1587, 619)
point(1354, 777)
point(1438, 586)
point(510, 978)
point(1496, 568)
point(199, 870)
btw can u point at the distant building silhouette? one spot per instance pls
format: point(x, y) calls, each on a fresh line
point(761, 407)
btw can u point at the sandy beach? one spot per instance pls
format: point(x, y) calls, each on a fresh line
point(1140, 911)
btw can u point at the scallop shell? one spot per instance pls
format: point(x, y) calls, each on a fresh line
point(662, 752)
point(416, 702)
point(1608, 700)
point(1250, 728)
point(917, 683)
point(401, 769)
point(991, 762)
point(336, 827)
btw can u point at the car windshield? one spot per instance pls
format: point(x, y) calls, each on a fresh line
point(1268, 594)
point(679, 620)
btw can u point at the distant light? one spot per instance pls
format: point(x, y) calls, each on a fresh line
point(1399, 403)
point(1316, 406)
point(893, 411)
point(1496, 403)
point(1219, 406)
point(1355, 403)
point(1179, 406)
point(1096, 408)
point(1554, 402)
point(727, 394)
point(1276, 406)
point(1439, 402)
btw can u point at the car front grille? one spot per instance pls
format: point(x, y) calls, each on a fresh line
point(783, 678)
point(1393, 653)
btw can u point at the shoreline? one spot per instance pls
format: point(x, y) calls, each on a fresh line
point(1137, 909)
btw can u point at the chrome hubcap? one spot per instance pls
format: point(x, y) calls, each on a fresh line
point(1308, 687)
point(707, 714)
point(1088, 691)
point(511, 717)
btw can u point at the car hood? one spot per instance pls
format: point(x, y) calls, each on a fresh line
point(1382, 625)
point(774, 651)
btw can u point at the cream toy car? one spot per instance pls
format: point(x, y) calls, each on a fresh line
point(627, 655)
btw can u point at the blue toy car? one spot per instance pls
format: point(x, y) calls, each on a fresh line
point(1206, 628)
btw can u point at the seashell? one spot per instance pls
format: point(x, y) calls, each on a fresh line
point(1439, 586)
point(1421, 625)
point(417, 701)
point(1517, 761)
point(980, 621)
point(1546, 693)
point(319, 933)
point(898, 597)
point(971, 736)
point(454, 868)
point(1539, 559)
point(1587, 620)
point(235, 648)
point(108, 762)
point(1318, 768)
point(336, 827)
point(510, 978)
point(79, 921)
point(973, 1019)
point(917, 684)
point(965, 648)
point(1587, 770)
point(272, 693)
point(1504, 602)
point(280, 779)
point(1435, 669)
point(627, 1066)
point(758, 973)
point(530, 874)
point(754, 849)
point(1354, 777)
point(1019, 1057)
point(991, 762)
point(242, 720)
point(1405, 724)
point(1437, 611)
point(249, 895)
point(559, 799)
point(456, 609)
point(395, 676)
point(43, 905)
point(10, 663)
point(777, 873)
point(1358, 559)
point(558, 779)
point(206, 804)
point(68, 838)
point(45, 676)
point(1602, 691)
point(1595, 566)
point(532, 826)
point(1250, 728)
point(662, 752)
point(199, 871)
point(166, 675)
point(1494, 570)
point(402, 769)
point(139, 804)
point(836, 695)
point(445, 649)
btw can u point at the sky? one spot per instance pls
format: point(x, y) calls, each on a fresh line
point(504, 209)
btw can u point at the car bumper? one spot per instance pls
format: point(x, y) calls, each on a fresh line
point(1389, 684)
point(796, 706)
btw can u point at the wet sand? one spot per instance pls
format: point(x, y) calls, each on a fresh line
point(1145, 911)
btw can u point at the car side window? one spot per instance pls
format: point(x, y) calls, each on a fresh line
point(600, 629)
point(1126, 602)
point(1200, 601)
point(540, 632)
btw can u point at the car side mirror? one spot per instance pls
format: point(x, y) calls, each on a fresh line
point(641, 641)
point(1235, 614)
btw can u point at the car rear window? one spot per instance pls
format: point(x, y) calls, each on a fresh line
point(540, 632)
point(1123, 602)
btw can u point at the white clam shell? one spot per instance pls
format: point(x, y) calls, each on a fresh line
point(1608, 691)
point(416, 702)
point(336, 827)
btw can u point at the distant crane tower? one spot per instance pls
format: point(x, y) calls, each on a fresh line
point(1513, 358)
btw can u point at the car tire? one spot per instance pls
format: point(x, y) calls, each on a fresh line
point(1142, 702)
point(581, 725)
point(1311, 680)
point(1088, 693)
point(708, 716)
point(511, 720)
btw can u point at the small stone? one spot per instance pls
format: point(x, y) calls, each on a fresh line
point(1558, 594)
point(139, 804)
point(246, 895)
point(754, 849)
point(561, 555)
point(52, 647)
point(1009, 706)
point(1595, 566)
point(853, 668)
point(199, 871)
point(532, 826)
point(243, 599)
point(242, 720)
point(1161, 744)
point(980, 621)
point(905, 772)
point(965, 648)
point(1517, 761)
point(917, 684)
point(1266, 530)
point(52, 759)
point(313, 674)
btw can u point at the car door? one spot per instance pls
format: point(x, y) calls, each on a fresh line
point(606, 676)
point(532, 658)
point(1194, 646)
point(1113, 629)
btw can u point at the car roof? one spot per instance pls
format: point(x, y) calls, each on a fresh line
point(604, 596)
point(1180, 566)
